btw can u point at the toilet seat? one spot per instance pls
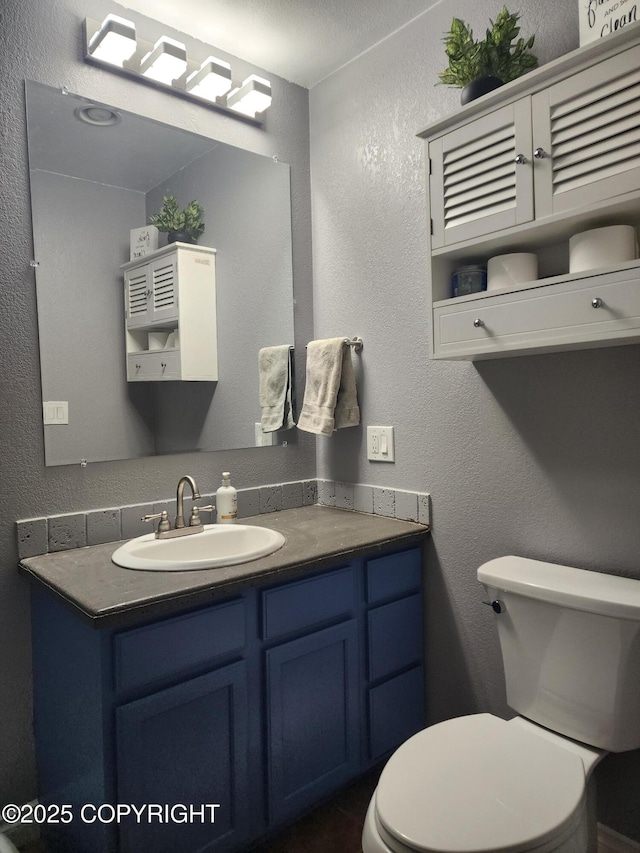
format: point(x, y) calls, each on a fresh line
point(476, 784)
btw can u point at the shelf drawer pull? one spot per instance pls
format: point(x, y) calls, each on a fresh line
point(596, 303)
point(478, 323)
point(520, 159)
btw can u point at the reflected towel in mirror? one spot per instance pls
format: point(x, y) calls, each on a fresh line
point(330, 394)
point(276, 377)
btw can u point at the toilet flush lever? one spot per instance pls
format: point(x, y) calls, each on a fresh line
point(496, 605)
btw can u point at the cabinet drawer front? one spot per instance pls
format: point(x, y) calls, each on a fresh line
point(307, 603)
point(394, 575)
point(396, 711)
point(146, 655)
point(153, 366)
point(542, 317)
point(395, 636)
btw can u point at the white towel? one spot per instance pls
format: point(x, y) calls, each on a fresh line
point(330, 396)
point(274, 368)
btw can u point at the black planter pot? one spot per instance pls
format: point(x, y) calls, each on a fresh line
point(479, 87)
point(179, 237)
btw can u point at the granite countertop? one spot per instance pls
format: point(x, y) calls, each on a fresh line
point(108, 595)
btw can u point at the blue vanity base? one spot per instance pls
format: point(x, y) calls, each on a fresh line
point(212, 728)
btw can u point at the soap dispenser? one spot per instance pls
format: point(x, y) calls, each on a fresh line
point(226, 501)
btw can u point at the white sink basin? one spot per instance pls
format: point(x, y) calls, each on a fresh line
point(218, 545)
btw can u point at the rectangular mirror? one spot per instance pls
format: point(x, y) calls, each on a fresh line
point(97, 172)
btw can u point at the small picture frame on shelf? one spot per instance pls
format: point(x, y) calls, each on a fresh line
point(142, 241)
point(599, 18)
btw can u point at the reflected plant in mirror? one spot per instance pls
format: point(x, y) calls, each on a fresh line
point(96, 173)
point(183, 226)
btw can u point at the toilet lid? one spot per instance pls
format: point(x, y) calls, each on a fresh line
point(475, 784)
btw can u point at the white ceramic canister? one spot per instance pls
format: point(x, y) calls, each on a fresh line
point(602, 247)
point(508, 270)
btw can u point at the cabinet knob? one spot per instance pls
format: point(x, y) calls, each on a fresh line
point(163, 365)
point(539, 153)
point(596, 303)
point(138, 366)
point(520, 159)
point(478, 323)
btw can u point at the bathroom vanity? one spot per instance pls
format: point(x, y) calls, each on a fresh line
point(259, 689)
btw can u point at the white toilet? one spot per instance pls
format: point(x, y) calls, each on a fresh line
point(570, 643)
point(6, 846)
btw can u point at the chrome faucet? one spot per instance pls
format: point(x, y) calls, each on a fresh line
point(165, 531)
point(180, 499)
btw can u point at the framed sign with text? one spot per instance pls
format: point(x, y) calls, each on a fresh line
point(600, 18)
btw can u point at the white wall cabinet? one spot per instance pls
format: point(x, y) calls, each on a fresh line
point(549, 155)
point(170, 310)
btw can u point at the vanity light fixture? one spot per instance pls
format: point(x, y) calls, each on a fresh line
point(166, 62)
point(254, 96)
point(115, 41)
point(115, 45)
point(211, 80)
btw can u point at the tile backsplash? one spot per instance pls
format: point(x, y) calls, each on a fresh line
point(95, 527)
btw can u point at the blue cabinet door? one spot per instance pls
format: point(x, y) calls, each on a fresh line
point(312, 718)
point(186, 746)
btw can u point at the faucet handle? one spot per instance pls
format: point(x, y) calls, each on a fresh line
point(163, 525)
point(195, 521)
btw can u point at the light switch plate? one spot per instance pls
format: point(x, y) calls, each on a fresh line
point(380, 444)
point(55, 412)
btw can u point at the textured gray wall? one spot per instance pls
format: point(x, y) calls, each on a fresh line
point(43, 42)
point(537, 456)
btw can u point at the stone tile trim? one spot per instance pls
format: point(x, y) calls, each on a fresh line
point(393, 503)
point(95, 527)
point(75, 530)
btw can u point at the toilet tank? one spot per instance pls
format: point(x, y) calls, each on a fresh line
point(570, 643)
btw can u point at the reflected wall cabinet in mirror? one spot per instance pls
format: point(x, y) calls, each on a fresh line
point(91, 184)
point(521, 170)
point(170, 306)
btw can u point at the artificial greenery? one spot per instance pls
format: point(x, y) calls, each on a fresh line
point(496, 56)
point(171, 218)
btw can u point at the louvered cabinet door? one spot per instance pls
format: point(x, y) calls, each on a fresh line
point(163, 276)
point(136, 296)
point(481, 176)
point(588, 127)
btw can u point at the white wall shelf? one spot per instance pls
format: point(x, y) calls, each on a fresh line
point(522, 169)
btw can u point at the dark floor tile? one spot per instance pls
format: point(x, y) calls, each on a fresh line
point(335, 827)
point(355, 799)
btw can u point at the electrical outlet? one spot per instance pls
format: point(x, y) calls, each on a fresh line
point(380, 444)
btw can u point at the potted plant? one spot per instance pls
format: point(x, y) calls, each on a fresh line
point(184, 226)
point(477, 67)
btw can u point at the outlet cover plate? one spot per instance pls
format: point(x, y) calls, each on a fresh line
point(380, 444)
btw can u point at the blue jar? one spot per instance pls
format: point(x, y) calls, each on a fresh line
point(470, 279)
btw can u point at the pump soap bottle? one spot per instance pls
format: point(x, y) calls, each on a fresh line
point(226, 501)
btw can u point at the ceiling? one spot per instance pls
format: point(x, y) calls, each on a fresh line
point(302, 41)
